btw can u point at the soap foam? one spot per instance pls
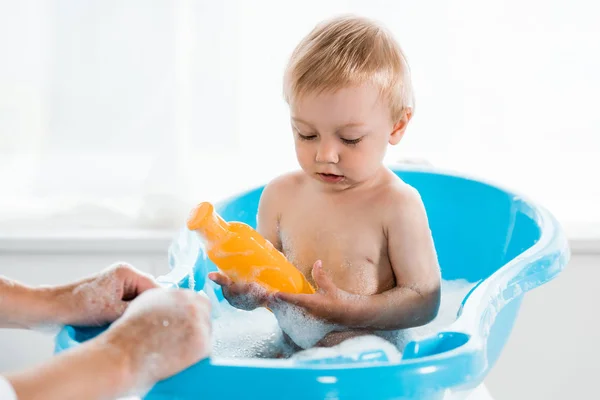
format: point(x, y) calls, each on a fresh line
point(452, 294)
point(246, 334)
point(259, 333)
point(305, 330)
point(353, 348)
point(250, 300)
point(172, 326)
point(100, 297)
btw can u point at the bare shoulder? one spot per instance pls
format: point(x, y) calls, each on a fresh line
point(283, 186)
point(274, 198)
point(286, 182)
point(401, 201)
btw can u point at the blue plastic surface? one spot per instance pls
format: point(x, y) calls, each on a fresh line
point(482, 233)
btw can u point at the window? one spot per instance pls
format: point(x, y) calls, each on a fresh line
point(125, 114)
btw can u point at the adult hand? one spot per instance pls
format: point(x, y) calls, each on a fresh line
point(161, 333)
point(104, 297)
point(95, 300)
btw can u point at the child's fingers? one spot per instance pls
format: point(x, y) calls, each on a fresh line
point(323, 281)
point(220, 278)
point(243, 288)
point(291, 298)
point(271, 300)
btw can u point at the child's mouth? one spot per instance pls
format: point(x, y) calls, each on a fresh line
point(331, 178)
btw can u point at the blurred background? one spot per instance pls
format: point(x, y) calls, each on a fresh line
point(116, 117)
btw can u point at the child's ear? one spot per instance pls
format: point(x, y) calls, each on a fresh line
point(400, 127)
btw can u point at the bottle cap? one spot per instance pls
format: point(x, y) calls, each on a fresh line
point(204, 220)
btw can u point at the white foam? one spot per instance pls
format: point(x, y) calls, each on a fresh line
point(452, 294)
point(252, 298)
point(245, 334)
point(100, 297)
point(305, 330)
point(167, 314)
point(352, 348)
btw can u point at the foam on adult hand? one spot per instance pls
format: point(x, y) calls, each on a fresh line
point(99, 299)
point(161, 332)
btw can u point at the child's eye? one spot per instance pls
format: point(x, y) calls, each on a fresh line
point(351, 141)
point(306, 137)
point(303, 137)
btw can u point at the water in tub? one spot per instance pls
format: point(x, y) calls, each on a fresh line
point(183, 253)
point(258, 333)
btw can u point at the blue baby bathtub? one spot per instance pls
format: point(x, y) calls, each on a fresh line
point(501, 242)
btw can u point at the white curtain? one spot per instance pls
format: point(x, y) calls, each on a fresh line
point(123, 114)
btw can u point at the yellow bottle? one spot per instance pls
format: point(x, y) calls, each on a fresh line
point(243, 254)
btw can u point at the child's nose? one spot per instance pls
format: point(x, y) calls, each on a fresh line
point(327, 153)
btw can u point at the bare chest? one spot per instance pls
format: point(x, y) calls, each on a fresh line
point(350, 241)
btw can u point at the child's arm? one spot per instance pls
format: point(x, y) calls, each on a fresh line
point(415, 299)
point(267, 220)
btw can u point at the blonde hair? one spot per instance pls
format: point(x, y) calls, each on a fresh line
point(347, 51)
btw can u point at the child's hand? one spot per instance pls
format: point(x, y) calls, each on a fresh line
point(245, 296)
point(329, 303)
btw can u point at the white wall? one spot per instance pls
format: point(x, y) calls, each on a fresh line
point(554, 348)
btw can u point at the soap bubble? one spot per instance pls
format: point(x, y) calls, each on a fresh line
point(305, 330)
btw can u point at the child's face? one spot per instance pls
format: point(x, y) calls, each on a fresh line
point(341, 137)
